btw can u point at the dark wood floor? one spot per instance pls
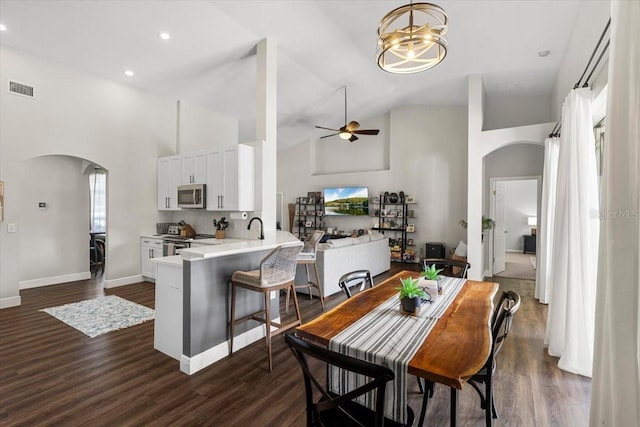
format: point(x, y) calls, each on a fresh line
point(51, 374)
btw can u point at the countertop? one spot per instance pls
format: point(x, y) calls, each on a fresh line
point(214, 248)
point(238, 246)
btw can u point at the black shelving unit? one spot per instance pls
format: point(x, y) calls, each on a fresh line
point(393, 218)
point(308, 217)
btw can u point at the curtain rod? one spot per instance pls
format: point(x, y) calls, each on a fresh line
point(586, 83)
point(555, 132)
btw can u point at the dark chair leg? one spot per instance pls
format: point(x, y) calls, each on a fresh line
point(429, 387)
point(267, 318)
point(454, 407)
point(420, 385)
point(233, 318)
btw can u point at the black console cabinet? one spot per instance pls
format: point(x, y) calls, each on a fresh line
point(529, 244)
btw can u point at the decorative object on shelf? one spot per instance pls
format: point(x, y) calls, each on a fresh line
point(349, 130)
point(487, 224)
point(313, 197)
point(411, 38)
point(393, 198)
point(410, 199)
point(401, 194)
point(409, 242)
point(410, 296)
point(533, 221)
point(411, 228)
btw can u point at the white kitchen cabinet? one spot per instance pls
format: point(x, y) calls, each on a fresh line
point(169, 178)
point(168, 316)
point(149, 249)
point(194, 168)
point(230, 179)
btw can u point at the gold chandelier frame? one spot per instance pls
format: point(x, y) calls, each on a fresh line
point(411, 38)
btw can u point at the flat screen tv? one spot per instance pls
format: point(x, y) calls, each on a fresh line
point(346, 201)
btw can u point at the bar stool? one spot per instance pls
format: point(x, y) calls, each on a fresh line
point(307, 257)
point(277, 271)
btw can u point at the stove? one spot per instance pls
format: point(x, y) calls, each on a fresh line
point(173, 244)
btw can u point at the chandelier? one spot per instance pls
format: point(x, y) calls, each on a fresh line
point(411, 38)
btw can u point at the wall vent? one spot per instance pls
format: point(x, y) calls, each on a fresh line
point(22, 89)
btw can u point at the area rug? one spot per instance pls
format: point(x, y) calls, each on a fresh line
point(101, 315)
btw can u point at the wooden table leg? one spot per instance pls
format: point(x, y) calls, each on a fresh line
point(454, 406)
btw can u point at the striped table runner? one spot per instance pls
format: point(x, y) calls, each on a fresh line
point(389, 338)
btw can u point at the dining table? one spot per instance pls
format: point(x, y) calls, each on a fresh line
point(456, 348)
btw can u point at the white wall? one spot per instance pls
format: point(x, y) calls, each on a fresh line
point(80, 115)
point(427, 160)
point(521, 201)
point(506, 111)
point(56, 238)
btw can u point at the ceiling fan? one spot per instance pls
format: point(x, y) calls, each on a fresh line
point(350, 129)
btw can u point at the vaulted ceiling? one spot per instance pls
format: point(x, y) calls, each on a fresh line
point(322, 45)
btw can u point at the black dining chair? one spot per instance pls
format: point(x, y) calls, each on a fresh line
point(342, 410)
point(348, 281)
point(502, 319)
point(452, 267)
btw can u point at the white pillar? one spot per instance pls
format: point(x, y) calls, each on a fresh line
point(266, 130)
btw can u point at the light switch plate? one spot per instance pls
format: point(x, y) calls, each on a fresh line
point(12, 228)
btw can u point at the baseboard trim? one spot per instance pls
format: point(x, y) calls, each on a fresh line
point(55, 280)
point(191, 365)
point(10, 302)
point(122, 281)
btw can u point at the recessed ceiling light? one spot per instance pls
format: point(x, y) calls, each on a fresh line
point(544, 53)
point(128, 73)
point(165, 36)
point(3, 27)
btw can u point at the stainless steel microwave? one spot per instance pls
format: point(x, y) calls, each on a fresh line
point(192, 196)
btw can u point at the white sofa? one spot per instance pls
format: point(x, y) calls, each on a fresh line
point(340, 256)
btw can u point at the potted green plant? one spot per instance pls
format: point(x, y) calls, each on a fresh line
point(487, 224)
point(410, 294)
point(431, 275)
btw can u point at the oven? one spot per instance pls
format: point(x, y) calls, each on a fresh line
point(173, 246)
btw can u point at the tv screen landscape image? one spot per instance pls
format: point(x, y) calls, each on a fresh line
point(346, 201)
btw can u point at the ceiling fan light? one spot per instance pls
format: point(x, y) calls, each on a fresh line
point(345, 135)
point(411, 38)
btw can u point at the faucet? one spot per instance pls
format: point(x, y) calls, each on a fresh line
point(260, 221)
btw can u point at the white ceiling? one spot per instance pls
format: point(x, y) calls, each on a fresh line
point(322, 45)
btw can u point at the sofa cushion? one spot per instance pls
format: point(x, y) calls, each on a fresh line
point(339, 243)
point(362, 239)
point(376, 236)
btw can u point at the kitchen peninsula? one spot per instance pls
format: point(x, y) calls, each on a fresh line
point(192, 299)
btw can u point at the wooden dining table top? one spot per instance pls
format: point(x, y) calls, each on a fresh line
point(456, 348)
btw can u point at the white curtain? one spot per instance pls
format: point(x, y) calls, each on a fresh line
point(615, 393)
point(570, 320)
point(546, 223)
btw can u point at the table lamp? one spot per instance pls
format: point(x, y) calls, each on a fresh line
point(533, 221)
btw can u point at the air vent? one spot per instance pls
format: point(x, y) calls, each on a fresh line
point(22, 89)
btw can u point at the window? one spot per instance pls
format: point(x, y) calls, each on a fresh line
point(599, 131)
point(98, 195)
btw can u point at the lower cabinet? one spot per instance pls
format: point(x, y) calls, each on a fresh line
point(149, 248)
point(168, 318)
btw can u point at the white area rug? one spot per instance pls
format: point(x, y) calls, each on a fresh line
point(533, 262)
point(101, 315)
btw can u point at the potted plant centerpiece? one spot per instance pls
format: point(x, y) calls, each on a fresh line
point(410, 294)
point(431, 276)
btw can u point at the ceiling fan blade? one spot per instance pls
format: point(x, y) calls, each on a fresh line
point(321, 127)
point(367, 131)
point(327, 136)
point(353, 138)
point(351, 126)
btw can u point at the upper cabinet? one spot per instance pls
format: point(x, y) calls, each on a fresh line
point(169, 178)
point(230, 179)
point(194, 168)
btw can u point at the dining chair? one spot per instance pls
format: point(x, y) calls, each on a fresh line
point(362, 277)
point(277, 271)
point(342, 410)
point(508, 305)
point(101, 252)
point(452, 267)
point(307, 257)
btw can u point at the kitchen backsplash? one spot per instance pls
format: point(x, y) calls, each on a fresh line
point(202, 222)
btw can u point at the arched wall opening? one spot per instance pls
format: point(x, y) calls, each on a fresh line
point(54, 201)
